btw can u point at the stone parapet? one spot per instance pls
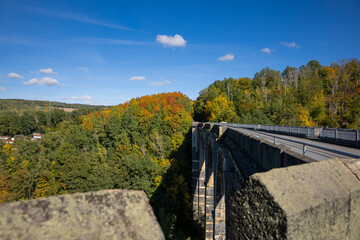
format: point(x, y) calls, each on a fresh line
point(310, 201)
point(106, 214)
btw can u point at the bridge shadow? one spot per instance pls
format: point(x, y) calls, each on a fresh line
point(171, 202)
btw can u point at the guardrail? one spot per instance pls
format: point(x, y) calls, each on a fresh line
point(304, 145)
point(348, 137)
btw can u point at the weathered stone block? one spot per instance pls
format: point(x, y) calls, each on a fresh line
point(106, 214)
point(309, 201)
point(209, 235)
point(219, 228)
point(209, 220)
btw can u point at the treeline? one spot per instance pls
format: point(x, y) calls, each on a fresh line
point(21, 105)
point(24, 122)
point(139, 145)
point(312, 95)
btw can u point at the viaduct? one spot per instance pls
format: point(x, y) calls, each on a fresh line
point(245, 186)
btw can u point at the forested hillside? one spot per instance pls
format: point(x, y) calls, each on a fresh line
point(23, 117)
point(138, 145)
point(25, 105)
point(312, 95)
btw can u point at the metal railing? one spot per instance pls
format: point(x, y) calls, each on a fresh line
point(305, 145)
point(340, 136)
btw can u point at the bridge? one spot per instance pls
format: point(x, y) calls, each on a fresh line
point(275, 182)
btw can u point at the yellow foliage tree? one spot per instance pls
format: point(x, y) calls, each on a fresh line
point(305, 118)
point(220, 109)
point(42, 188)
point(45, 187)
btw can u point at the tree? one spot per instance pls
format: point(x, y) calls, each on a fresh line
point(28, 124)
point(220, 110)
point(290, 77)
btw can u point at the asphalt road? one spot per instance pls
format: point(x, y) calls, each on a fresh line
point(297, 145)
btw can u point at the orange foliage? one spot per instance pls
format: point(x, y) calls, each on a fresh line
point(170, 106)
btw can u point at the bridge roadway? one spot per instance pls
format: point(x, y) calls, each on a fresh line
point(315, 149)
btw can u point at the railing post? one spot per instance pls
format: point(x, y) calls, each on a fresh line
point(357, 137)
point(336, 135)
point(307, 132)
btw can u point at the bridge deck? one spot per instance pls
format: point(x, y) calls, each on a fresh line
point(315, 153)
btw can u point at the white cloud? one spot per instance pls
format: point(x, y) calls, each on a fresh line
point(175, 41)
point(2, 89)
point(32, 81)
point(47, 70)
point(15, 75)
point(290, 45)
point(85, 97)
point(160, 83)
point(227, 57)
point(85, 69)
point(138, 78)
point(45, 81)
point(267, 50)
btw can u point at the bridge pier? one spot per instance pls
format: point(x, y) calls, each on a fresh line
point(219, 200)
point(198, 174)
point(209, 185)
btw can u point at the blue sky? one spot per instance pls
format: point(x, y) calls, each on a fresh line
point(106, 52)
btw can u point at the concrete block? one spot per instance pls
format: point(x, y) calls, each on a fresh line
point(106, 214)
point(318, 200)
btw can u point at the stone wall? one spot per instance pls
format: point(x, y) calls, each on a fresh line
point(106, 214)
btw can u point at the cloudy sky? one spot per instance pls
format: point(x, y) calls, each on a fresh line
point(106, 52)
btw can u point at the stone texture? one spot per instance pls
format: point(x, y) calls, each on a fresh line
point(353, 165)
point(106, 214)
point(310, 201)
point(254, 215)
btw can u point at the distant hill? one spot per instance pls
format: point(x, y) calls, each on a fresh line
point(21, 105)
